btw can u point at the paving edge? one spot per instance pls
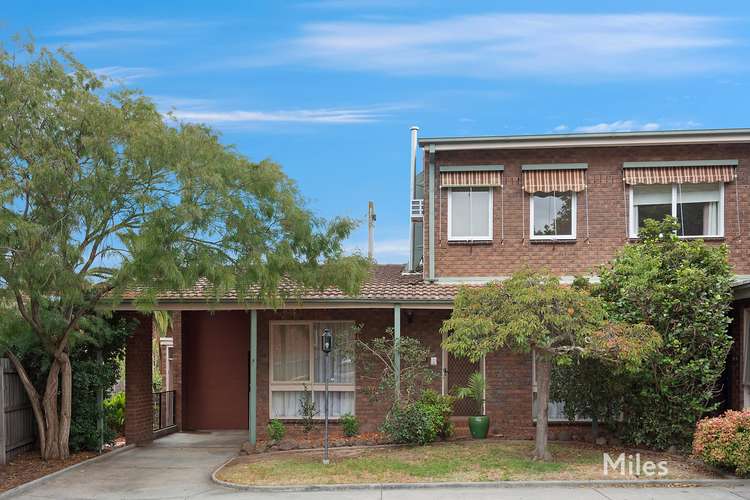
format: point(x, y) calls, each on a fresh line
point(481, 484)
point(40, 480)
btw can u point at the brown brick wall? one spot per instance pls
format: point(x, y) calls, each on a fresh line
point(225, 405)
point(138, 399)
point(176, 368)
point(607, 219)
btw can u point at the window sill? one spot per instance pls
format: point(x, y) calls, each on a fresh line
point(552, 240)
point(298, 420)
point(469, 242)
point(635, 239)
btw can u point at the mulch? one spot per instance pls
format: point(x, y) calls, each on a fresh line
point(29, 466)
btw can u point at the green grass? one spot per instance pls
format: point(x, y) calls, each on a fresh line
point(455, 461)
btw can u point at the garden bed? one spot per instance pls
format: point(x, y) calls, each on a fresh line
point(489, 460)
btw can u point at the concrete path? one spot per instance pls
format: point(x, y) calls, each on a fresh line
point(179, 466)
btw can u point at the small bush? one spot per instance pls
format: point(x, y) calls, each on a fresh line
point(114, 411)
point(724, 441)
point(440, 409)
point(308, 410)
point(276, 430)
point(350, 425)
point(407, 423)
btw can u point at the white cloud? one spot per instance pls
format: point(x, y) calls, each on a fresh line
point(352, 115)
point(577, 46)
point(123, 74)
point(619, 126)
point(561, 128)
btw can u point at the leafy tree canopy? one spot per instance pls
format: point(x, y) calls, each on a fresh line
point(100, 192)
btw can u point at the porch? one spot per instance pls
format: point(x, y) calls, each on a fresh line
point(237, 369)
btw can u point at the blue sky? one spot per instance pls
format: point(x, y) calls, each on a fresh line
point(329, 89)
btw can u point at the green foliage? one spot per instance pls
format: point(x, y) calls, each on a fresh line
point(415, 372)
point(100, 194)
point(98, 334)
point(590, 388)
point(114, 408)
point(308, 410)
point(724, 441)
point(421, 421)
point(276, 430)
point(440, 408)
point(349, 424)
point(532, 311)
point(475, 391)
point(408, 423)
point(683, 289)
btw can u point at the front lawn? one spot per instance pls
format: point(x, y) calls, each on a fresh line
point(491, 460)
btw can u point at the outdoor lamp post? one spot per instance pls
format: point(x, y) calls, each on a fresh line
point(326, 344)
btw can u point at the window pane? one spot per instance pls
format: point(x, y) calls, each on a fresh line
point(657, 194)
point(341, 359)
point(656, 212)
point(698, 219)
point(290, 347)
point(698, 193)
point(460, 213)
point(480, 213)
point(286, 404)
point(339, 403)
point(553, 214)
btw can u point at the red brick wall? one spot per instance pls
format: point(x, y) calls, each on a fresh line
point(607, 227)
point(176, 368)
point(138, 399)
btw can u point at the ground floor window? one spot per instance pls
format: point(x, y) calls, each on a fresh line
point(296, 368)
point(556, 409)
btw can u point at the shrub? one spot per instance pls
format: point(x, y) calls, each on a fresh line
point(350, 425)
point(440, 409)
point(475, 391)
point(114, 411)
point(307, 410)
point(683, 289)
point(724, 441)
point(407, 423)
point(276, 430)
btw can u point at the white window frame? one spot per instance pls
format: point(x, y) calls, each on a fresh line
point(574, 216)
point(312, 386)
point(633, 225)
point(450, 215)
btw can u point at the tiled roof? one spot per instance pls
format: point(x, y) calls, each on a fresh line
point(387, 283)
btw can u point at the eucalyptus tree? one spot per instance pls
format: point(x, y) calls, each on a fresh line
point(533, 312)
point(101, 193)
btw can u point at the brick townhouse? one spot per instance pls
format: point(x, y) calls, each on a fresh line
point(480, 208)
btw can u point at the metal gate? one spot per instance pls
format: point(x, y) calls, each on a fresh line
point(456, 373)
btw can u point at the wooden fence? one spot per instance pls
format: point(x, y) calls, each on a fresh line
point(17, 426)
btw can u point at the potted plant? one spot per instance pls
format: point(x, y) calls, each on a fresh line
point(479, 425)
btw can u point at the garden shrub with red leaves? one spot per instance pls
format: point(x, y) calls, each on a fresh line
point(724, 441)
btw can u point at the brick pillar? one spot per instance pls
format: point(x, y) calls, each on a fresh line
point(138, 392)
point(177, 366)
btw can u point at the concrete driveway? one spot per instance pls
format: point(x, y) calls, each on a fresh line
point(180, 465)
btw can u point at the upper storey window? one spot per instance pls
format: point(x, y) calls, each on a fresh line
point(698, 208)
point(691, 191)
point(470, 200)
point(470, 213)
point(553, 215)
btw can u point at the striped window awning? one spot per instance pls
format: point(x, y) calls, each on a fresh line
point(679, 172)
point(554, 180)
point(478, 176)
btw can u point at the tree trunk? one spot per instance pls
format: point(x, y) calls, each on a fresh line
point(52, 411)
point(543, 370)
point(595, 427)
